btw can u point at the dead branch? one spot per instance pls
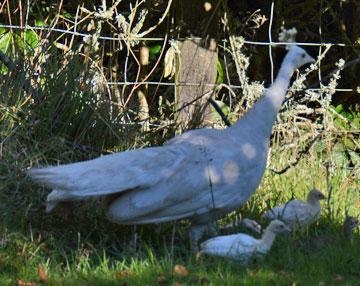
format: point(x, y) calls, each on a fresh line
point(299, 155)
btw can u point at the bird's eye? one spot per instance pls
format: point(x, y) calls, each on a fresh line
point(303, 56)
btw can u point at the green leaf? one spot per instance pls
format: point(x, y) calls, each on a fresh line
point(354, 156)
point(348, 143)
point(356, 121)
point(40, 23)
point(154, 51)
point(2, 31)
point(224, 108)
point(339, 108)
point(68, 15)
point(31, 38)
point(338, 155)
point(5, 41)
point(220, 73)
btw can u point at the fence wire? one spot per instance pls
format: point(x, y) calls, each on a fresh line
point(270, 43)
point(134, 37)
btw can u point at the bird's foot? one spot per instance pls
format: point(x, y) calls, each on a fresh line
point(252, 225)
point(245, 222)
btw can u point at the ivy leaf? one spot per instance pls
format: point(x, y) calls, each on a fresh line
point(5, 41)
point(40, 23)
point(31, 38)
point(154, 51)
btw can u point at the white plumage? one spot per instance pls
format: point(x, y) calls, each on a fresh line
point(201, 174)
point(296, 213)
point(242, 246)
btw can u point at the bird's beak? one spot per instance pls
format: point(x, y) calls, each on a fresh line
point(357, 222)
point(309, 59)
point(287, 228)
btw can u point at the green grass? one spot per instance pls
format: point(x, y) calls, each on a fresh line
point(78, 246)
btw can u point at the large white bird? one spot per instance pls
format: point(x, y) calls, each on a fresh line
point(242, 246)
point(298, 214)
point(202, 174)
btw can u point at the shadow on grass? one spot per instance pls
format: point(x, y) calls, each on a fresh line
point(80, 247)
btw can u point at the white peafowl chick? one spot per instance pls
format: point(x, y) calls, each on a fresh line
point(242, 246)
point(349, 224)
point(297, 214)
point(202, 174)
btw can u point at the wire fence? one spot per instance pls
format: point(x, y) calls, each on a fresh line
point(134, 37)
point(270, 43)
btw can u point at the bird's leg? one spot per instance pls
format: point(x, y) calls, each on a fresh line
point(198, 231)
point(252, 225)
point(212, 229)
point(245, 222)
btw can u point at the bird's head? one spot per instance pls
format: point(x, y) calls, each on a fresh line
point(277, 226)
point(299, 57)
point(315, 195)
point(351, 222)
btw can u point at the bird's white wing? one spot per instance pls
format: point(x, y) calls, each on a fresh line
point(295, 213)
point(236, 246)
point(284, 210)
point(113, 173)
point(206, 181)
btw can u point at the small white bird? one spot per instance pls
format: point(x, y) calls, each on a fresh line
point(349, 224)
point(298, 214)
point(241, 246)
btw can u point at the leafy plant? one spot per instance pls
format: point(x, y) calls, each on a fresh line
point(154, 51)
point(350, 116)
point(24, 42)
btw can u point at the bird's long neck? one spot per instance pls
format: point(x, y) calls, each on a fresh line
point(267, 239)
point(262, 115)
point(314, 202)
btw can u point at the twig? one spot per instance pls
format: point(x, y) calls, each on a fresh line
point(329, 75)
point(299, 156)
point(149, 74)
point(218, 110)
point(158, 23)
